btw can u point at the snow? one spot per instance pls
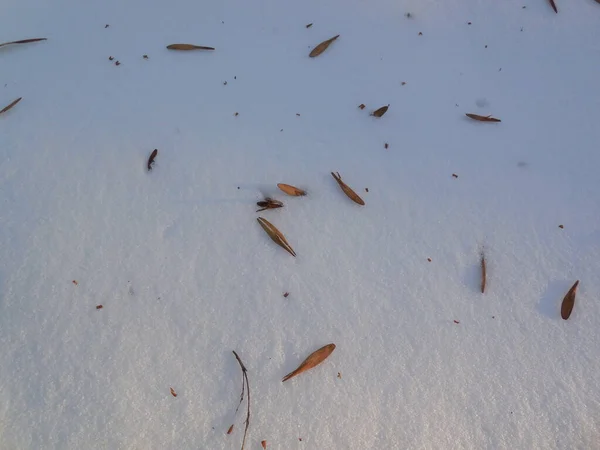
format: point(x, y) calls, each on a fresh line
point(185, 273)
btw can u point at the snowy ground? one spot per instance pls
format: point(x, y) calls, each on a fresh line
point(185, 274)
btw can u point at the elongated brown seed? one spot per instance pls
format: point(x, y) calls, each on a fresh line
point(381, 111)
point(483, 273)
point(188, 47)
point(151, 159)
point(568, 302)
point(264, 444)
point(230, 429)
point(6, 108)
point(23, 41)
point(173, 393)
point(315, 358)
point(482, 118)
point(554, 6)
point(349, 192)
point(276, 235)
point(291, 190)
point(322, 46)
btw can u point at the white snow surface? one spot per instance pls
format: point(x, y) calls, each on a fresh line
point(185, 273)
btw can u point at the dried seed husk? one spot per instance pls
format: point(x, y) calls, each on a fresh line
point(151, 159)
point(173, 393)
point(314, 359)
point(310, 24)
point(554, 6)
point(483, 273)
point(23, 41)
point(188, 47)
point(6, 108)
point(482, 118)
point(568, 302)
point(230, 429)
point(269, 203)
point(349, 192)
point(322, 46)
point(291, 190)
point(264, 444)
point(276, 235)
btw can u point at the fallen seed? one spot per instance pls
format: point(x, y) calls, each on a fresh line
point(99, 307)
point(173, 393)
point(230, 429)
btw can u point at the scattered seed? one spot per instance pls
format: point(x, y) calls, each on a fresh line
point(224, 83)
point(482, 118)
point(403, 83)
point(300, 439)
point(561, 226)
point(309, 25)
point(367, 189)
point(23, 41)
point(188, 47)
point(291, 190)
point(386, 146)
point(420, 34)
point(486, 46)
point(145, 56)
point(110, 58)
point(75, 282)
point(264, 444)
point(322, 46)
point(151, 159)
point(568, 302)
point(314, 359)
point(298, 114)
point(429, 259)
point(456, 321)
point(468, 23)
point(408, 15)
point(106, 26)
point(236, 114)
point(275, 235)
point(347, 190)
point(483, 273)
point(554, 6)
point(286, 294)
point(381, 111)
point(454, 175)
point(339, 375)
point(99, 307)
point(173, 393)
point(117, 63)
point(230, 429)
point(11, 105)
point(361, 106)
point(269, 203)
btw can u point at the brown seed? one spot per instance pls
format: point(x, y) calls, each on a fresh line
point(313, 360)
point(275, 235)
point(456, 321)
point(403, 83)
point(75, 282)
point(483, 273)
point(145, 56)
point(298, 114)
point(322, 46)
point(264, 444)
point(269, 203)
point(361, 106)
point(554, 6)
point(429, 259)
point(117, 63)
point(454, 175)
point(230, 429)
point(110, 58)
point(349, 192)
point(286, 294)
point(188, 47)
point(10, 106)
point(151, 159)
point(482, 118)
point(339, 375)
point(291, 190)
point(23, 41)
point(99, 307)
point(300, 439)
point(173, 393)
point(568, 302)
point(381, 111)
point(386, 146)
point(366, 189)
point(562, 226)
point(236, 114)
point(309, 25)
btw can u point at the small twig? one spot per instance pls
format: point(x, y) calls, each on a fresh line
point(244, 382)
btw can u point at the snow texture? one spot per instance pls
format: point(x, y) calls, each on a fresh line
point(185, 273)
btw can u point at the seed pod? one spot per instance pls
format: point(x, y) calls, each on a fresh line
point(349, 192)
point(381, 111)
point(276, 235)
point(6, 108)
point(322, 46)
point(188, 47)
point(482, 118)
point(313, 359)
point(291, 190)
point(568, 302)
point(23, 41)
